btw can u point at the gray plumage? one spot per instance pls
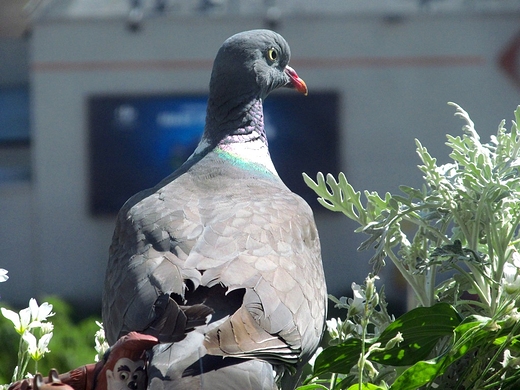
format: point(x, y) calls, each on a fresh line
point(223, 237)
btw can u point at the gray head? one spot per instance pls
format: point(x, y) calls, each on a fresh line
point(253, 63)
point(248, 66)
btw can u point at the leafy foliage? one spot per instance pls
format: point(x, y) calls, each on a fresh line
point(464, 332)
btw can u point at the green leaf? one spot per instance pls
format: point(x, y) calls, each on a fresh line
point(338, 358)
point(338, 196)
point(313, 386)
point(365, 386)
point(421, 329)
point(416, 376)
point(469, 335)
point(411, 192)
point(402, 200)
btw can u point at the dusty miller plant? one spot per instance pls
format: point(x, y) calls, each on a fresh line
point(464, 332)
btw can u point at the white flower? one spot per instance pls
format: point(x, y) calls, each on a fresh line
point(341, 330)
point(370, 290)
point(3, 275)
point(101, 344)
point(357, 305)
point(46, 327)
point(396, 340)
point(510, 360)
point(37, 349)
point(516, 259)
point(510, 279)
point(21, 321)
point(30, 317)
point(334, 326)
point(40, 313)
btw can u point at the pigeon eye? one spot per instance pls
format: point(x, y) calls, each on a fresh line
point(272, 54)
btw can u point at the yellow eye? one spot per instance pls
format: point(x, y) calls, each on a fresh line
point(272, 54)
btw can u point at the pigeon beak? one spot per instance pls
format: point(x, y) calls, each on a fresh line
point(295, 81)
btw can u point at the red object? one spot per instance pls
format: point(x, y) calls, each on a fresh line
point(509, 59)
point(124, 367)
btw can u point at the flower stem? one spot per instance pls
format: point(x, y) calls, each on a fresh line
point(20, 369)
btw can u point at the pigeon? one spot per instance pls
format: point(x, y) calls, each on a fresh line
point(221, 261)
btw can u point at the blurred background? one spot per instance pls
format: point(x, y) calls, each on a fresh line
point(99, 99)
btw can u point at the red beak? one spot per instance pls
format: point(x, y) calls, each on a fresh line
point(296, 81)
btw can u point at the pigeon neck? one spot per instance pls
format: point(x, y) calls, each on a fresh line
point(253, 156)
point(235, 123)
point(239, 135)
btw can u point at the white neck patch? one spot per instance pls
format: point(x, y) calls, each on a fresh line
point(255, 152)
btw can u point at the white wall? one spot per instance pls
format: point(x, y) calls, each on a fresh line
point(395, 78)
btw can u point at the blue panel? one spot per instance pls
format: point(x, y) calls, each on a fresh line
point(14, 114)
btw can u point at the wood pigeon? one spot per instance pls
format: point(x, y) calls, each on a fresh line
point(220, 260)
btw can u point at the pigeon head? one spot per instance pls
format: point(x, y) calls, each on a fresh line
point(254, 62)
point(248, 66)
